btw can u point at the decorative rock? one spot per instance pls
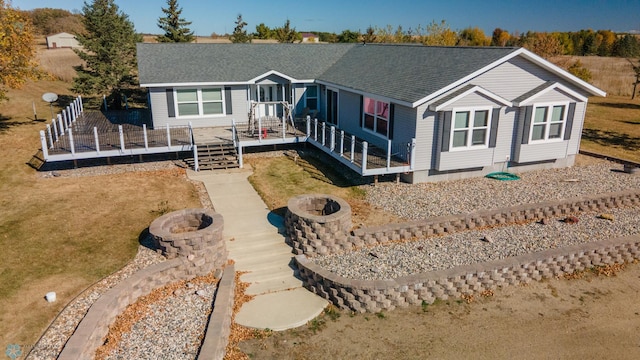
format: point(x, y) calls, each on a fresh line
point(190, 285)
point(201, 292)
point(488, 239)
point(544, 221)
point(50, 296)
point(609, 217)
point(178, 292)
point(571, 220)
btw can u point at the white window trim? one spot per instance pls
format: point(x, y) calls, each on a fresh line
point(200, 103)
point(549, 106)
point(317, 97)
point(472, 113)
point(375, 118)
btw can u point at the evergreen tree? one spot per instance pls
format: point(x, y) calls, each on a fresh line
point(174, 27)
point(286, 34)
point(17, 52)
point(263, 31)
point(239, 33)
point(109, 52)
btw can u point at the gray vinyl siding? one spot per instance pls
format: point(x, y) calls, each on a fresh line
point(553, 96)
point(472, 100)
point(298, 97)
point(426, 138)
point(404, 124)
point(160, 111)
point(465, 159)
point(542, 151)
point(349, 113)
point(576, 129)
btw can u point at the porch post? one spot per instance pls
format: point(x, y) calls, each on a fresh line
point(353, 148)
point(413, 153)
point(49, 134)
point(240, 162)
point(146, 139)
point(196, 166)
point(80, 102)
point(308, 120)
point(55, 128)
point(388, 154)
point(191, 139)
point(233, 132)
point(63, 123)
point(71, 144)
point(259, 129)
point(168, 137)
point(315, 129)
point(95, 136)
point(333, 138)
point(43, 141)
point(341, 142)
point(121, 138)
point(284, 122)
point(73, 111)
point(365, 146)
point(324, 133)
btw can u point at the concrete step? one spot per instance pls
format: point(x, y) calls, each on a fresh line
point(275, 285)
point(258, 240)
point(269, 275)
point(257, 262)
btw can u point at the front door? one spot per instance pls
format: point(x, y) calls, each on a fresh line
point(267, 93)
point(332, 107)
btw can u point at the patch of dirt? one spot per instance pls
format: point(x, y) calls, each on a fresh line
point(595, 315)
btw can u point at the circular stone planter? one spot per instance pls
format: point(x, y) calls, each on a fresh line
point(317, 222)
point(192, 233)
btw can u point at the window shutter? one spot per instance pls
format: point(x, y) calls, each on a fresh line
point(493, 134)
point(446, 131)
point(361, 111)
point(227, 100)
point(527, 124)
point(170, 104)
point(392, 109)
point(569, 125)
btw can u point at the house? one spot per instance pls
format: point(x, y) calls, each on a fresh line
point(62, 40)
point(310, 38)
point(436, 112)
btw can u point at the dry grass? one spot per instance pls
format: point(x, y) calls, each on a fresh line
point(612, 74)
point(63, 234)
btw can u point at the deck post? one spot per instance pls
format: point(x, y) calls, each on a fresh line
point(43, 141)
point(388, 154)
point(353, 148)
point(95, 136)
point(61, 129)
point(67, 120)
point(71, 144)
point(324, 132)
point(365, 146)
point(49, 135)
point(73, 111)
point(333, 138)
point(341, 142)
point(63, 124)
point(55, 127)
point(233, 132)
point(259, 129)
point(196, 166)
point(308, 126)
point(168, 137)
point(80, 102)
point(146, 138)
point(240, 162)
point(191, 138)
point(121, 138)
point(315, 129)
point(413, 153)
point(284, 123)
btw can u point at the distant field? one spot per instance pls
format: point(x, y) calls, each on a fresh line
point(612, 74)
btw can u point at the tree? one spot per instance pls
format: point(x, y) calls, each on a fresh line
point(17, 51)
point(262, 32)
point(626, 46)
point(174, 27)
point(239, 33)
point(348, 36)
point(439, 34)
point(48, 21)
point(578, 70)
point(636, 70)
point(500, 37)
point(370, 35)
point(286, 34)
point(473, 37)
point(543, 44)
point(109, 52)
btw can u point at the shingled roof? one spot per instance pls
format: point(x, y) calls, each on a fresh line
point(403, 72)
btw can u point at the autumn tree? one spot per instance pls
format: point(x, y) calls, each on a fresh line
point(48, 21)
point(369, 36)
point(286, 34)
point(175, 28)
point(439, 34)
point(500, 37)
point(239, 33)
point(543, 44)
point(109, 52)
point(17, 51)
point(578, 70)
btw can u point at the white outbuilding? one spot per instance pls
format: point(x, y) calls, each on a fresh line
point(62, 40)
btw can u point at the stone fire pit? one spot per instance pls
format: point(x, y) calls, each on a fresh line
point(195, 234)
point(315, 221)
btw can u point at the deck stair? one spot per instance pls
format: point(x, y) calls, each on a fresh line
point(212, 156)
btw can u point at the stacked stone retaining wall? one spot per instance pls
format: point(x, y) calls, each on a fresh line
point(313, 235)
point(378, 295)
point(196, 251)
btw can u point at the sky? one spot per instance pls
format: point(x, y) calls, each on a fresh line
point(209, 16)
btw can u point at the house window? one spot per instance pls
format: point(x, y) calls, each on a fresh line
point(548, 122)
point(199, 102)
point(376, 116)
point(470, 128)
point(311, 96)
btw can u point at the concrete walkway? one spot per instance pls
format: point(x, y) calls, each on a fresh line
point(254, 240)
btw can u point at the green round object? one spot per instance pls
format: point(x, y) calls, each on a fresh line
point(502, 176)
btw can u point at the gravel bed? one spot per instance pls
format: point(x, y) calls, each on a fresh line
point(55, 337)
point(437, 253)
point(173, 328)
point(420, 201)
point(98, 168)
